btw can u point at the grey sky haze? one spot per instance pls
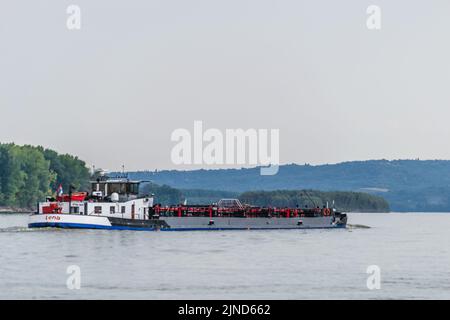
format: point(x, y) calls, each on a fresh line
point(114, 91)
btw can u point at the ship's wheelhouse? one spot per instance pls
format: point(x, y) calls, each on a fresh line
point(125, 189)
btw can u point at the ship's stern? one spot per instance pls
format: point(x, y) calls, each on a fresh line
point(340, 220)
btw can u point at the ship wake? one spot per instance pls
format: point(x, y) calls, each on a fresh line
point(16, 229)
point(357, 226)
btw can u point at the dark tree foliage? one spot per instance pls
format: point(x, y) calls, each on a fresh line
point(346, 201)
point(164, 194)
point(200, 196)
point(69, 170)
point(28, 174)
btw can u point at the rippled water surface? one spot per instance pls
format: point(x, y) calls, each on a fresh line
point(412, 251)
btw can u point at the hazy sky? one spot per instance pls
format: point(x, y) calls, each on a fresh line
point(114, 91)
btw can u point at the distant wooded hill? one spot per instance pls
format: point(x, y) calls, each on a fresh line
point(346, 201)
point(28, 174)
point(408, 185)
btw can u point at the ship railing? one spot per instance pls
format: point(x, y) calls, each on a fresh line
point(248, 211)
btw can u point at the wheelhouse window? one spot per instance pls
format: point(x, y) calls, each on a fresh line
point(119, 188)
point(101, 187)
point(133, 188)
point(122, 209)
point(112, 210)
point(97, 209)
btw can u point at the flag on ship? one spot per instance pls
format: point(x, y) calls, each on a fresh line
point(59, 191)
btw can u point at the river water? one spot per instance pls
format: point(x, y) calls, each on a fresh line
point(412, 251)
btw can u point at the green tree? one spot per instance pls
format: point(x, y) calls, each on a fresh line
point(28, 174)
point(69, 170)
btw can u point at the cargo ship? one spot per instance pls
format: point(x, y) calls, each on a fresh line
point(116, 204)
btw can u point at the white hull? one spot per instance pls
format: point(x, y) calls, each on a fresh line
point(68, 220)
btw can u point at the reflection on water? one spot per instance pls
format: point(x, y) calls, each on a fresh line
point(411, 250)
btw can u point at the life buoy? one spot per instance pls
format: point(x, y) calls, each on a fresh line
point(326, 212)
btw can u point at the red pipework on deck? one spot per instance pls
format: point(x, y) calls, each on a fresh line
point(52, 208)
point(250, 212)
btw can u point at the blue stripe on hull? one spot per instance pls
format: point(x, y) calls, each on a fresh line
point(84, 226)
point(93, 226)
